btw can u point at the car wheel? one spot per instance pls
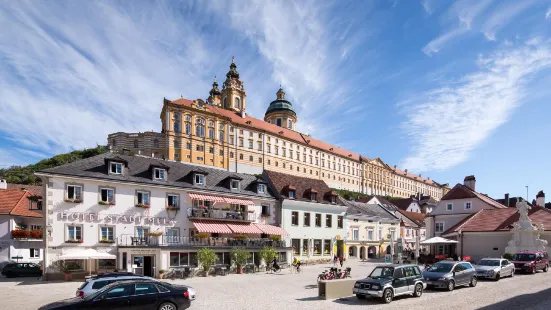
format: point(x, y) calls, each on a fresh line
point(10, 275)
point(545, 268)
point(496, 278)
point(167, 306)
point(387, 296)
point(474, 281)
point(360, 296)
point(513, 273)
point(451, 285)
point(418, 290)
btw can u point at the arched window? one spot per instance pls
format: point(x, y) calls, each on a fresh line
point(200, 127)
point(188, 118)
point(156, 143)
point(221, 136)
point(237, 104)
point(188, 128)
point(136, 145)
point(211, 133)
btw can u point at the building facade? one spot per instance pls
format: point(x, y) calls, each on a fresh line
point(219, 133)
point(154, 214)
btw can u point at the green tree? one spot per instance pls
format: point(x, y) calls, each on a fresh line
point(267, 254)
point(206, 258)
point(239, 256)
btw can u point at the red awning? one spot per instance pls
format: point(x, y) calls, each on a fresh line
point(212, 227)
point(271, 230)
point(206, 197)
point(244, 228)
point(239, 201)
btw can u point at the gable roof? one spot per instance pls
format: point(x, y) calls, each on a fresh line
point(460, 191)
point(283, 133)
point(403, 203)
point(180, 174)
point(281, 183)
point(35, 189)
point(15, 202)
point(417, 218)
point(487, 220)
point(360, 208)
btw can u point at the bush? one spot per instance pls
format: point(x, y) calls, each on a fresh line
point(508, 256)
point(202, 235)
point(161, 271)
point(275, 238)
point(206, 258)
point(239, 256)
point(62, 266)
point(267, 254)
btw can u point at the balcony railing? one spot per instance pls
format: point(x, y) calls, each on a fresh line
point(191, 242)
point(221, 214)
point(26, 234)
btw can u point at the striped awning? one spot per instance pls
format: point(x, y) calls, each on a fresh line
point(206, 197)
point(239, 201)
point(244, 228)
point(212, 227)
point(271, 230)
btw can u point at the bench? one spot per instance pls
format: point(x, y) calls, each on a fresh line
point(333, 289)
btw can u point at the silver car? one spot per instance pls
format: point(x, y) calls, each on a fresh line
point(494, 268)
point(95, 283)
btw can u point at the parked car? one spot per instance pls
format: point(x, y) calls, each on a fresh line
point(531, 261)
point(389, 281)
point(450, 274)
point(134, 294)
point(12, 270)
point(494, 268)
point(95, 283)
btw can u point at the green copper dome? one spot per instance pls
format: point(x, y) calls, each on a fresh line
point(280, 104)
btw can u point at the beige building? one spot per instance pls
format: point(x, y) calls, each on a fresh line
point(219, 133)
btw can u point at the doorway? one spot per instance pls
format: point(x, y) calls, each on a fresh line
point(372, 252)
point(148, 266)
point(143, 265)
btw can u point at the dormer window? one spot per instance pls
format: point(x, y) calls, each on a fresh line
point(159, 174)
point(199, 179)
point(115, 168)
point(261, 188)
point(234, 184)
point(333, 199)
point(292, 194)
point(313, 196)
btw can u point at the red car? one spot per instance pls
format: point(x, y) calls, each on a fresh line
point(531, 261)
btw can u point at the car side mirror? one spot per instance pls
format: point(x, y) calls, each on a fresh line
point(453, 273)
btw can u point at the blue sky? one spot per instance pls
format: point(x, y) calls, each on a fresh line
point(441, 88)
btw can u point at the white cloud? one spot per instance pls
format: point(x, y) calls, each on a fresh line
point(428, 6)
point(548, 14)
point(461, 14)
point(503, 16)
point(447, 123)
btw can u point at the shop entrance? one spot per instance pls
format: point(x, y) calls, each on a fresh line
point(143, 265)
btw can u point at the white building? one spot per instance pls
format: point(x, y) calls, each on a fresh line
point(153, 214)
point(21, 225)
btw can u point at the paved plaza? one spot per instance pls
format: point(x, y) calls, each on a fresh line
point(299, 291)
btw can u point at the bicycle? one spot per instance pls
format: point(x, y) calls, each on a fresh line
point(296, 268)
point(271, 268)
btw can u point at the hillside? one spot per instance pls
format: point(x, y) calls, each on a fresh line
point(25, 175)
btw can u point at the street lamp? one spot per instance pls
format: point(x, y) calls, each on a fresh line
point(526, 193)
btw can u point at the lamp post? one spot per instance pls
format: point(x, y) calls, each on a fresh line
point(526, 193)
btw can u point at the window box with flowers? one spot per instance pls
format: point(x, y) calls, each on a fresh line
point(275, 238)
point(106, 203)
point(168, 207)
point(226, 208)
point(251, 211)
point(155, 234)
point(202, 235)
point(26, 234)
point(73, 241)
point(73, 200)
point(241, 237)
point(142, 205)
point(105, 240)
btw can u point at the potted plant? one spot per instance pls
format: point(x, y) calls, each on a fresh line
point(239, 256)
point(241, 237)
point(161, 273)
point(202, 235)
point(206, 258)
point(267, 254)
point(63, 267)
point(226, 208)
point(275, 238)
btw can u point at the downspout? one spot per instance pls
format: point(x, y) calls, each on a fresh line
point(47, 230)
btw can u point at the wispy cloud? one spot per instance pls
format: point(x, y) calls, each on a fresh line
point(447, 123)
point(461, 14)
point(548, 14)
point(503, 16)
point(429, 6)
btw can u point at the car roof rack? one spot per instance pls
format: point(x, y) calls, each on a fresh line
point(114, 275)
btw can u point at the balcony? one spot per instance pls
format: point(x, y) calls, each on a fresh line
point(26, 234)
point(222, 215)
point(194, 242)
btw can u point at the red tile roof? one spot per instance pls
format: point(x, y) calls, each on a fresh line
point(417, 218)
point(414, 176)
point(402, 203)
point(15, 202)
point(460, 191)
point(284, 133)
point(35, 189)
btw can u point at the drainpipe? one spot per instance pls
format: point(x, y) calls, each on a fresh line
point(461, 234)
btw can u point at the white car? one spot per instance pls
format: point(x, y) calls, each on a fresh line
point(494, 268)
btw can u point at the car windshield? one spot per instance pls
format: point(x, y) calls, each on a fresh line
point(524, 257)
point(98, 292)
point(488, 262)
point(382, 272)
point(441, 268)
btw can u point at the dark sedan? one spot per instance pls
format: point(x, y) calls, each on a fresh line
point(132, 295)
point(21, 270)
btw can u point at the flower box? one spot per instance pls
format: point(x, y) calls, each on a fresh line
point(26, 234)
point(155, 234)
point(106, 203)
point(202, 235)
point(73, 200)
point(141, 205)
point(106, 241)
point(74, 241)
point(226, 209)
point(251, 211)
point(241, 237)
point(172, 207)
point(264, 215)
point(275, 238)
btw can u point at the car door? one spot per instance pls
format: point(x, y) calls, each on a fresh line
point(458, 274)
point(146, 296)
point(399, 283)
point(506, 268)
point(115, 298)
point(540, 264)
point(468, 272)
point(409, 275)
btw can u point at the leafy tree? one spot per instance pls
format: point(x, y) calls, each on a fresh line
point(206, 258)
point(239, 256)
point(267, 254)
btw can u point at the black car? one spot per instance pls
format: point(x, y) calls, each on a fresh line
point(21, 270)
point(389, 281)
point(132, 295)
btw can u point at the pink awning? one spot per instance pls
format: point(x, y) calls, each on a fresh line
point(212, 227)
point(239, 201)
point(244, 228)
point(271, 230)
point(206, 197)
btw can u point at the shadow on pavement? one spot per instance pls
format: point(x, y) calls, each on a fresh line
point(311, 286)
point(309, 298)
point(525, 301)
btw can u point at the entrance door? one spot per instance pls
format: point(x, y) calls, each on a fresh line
point(148, 266)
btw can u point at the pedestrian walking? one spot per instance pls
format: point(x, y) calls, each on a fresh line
point(335, 260)
point(341, 260)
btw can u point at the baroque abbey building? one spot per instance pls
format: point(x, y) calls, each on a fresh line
point(219, 133)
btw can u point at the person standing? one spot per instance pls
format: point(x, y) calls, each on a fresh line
point(335, 260)
point(341, 260)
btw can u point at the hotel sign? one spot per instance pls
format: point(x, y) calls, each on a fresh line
point(112, 218)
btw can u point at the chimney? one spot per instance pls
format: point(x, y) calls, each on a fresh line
point(540, 199)
point(470, 182)
point(3, 184)
point(406, 170)
point(394, 166)
point(506, 200)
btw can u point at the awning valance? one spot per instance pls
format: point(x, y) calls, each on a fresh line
point(206, 197)
point(438, 240)
point(87, 254)
point(271, 230)
point(244, 228)
point(239, 201)
point(212, 227)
